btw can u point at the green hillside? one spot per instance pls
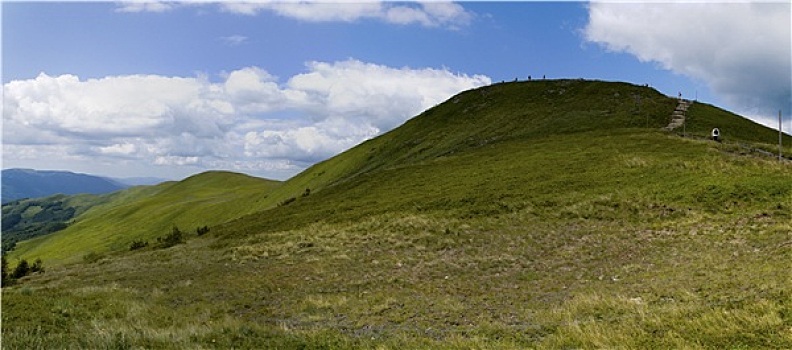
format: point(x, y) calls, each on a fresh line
point(558, 119)
point(29, 218)
point(145, 213)
point(503, 112)
point(547, 215)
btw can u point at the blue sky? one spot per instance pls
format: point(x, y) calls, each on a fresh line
point(170, 89)
point(503, 41)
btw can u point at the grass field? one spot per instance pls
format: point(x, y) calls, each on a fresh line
point(551, 220)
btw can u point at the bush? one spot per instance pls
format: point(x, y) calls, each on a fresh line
point(92, 257)
point(5, 275)
point(136, 244)
point(38, 266)
point(175, 237)
point(21, 270)
point(202, 230)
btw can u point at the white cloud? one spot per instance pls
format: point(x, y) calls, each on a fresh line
point(310, 11)
point(123, 149)
point(248, 120)
point(145, 6)
point(383, 96)
point(740, 49)
point(429, 13)
point(113, 106)
point(308, 144)
point(176, 160)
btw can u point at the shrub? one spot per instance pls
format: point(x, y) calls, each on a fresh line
point(21, 270)
point(38, 266)
point(202, 230)
point(92, 257)
point(175, 237)
point(136, 244)
point(5, 275)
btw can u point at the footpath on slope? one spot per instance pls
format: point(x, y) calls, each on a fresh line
point(679, 114)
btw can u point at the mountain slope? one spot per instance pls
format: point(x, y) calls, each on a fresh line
point(145, 213)
point(29, 218)
point(552, 117)
point(522, 110)
point(529, 221)
point(27, 183)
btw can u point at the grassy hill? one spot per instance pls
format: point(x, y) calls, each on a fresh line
point(589, 122)
point(28, 218)
point(145, 213)
point(548, 215)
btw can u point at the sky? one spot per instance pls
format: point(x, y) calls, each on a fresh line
point(171, 89)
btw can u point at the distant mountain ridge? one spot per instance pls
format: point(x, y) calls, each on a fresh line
point(139, 181)
point(29, 183)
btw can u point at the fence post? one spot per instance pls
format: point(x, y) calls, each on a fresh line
point(780, 134)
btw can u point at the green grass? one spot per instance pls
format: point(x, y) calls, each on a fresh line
point(145, 213)
point(704, 117)
point(28, 218)
point(538, 219)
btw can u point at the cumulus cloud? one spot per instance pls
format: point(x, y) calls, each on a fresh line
point(249, 119)
point(307, 144)
point(740, 49)
point(383, 96)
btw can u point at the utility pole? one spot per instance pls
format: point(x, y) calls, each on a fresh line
point(780, 133)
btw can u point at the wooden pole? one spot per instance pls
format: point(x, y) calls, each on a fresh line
point(780, 133)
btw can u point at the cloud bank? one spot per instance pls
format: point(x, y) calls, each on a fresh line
point(741, 50)
point(427, 13)
point(249, 120)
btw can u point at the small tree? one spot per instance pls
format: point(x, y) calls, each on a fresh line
point(175, 237)
point(21, 269)
point(136, 244)
point(5, 270)
point(38, 266)
point(202, 230)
